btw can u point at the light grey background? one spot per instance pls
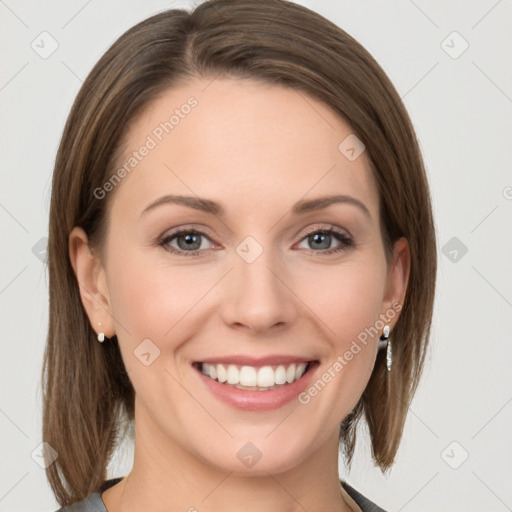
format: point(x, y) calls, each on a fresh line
point(461, 108)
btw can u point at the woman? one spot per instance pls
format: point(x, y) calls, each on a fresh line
point(240, 217)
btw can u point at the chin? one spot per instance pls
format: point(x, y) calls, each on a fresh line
point(259, 456)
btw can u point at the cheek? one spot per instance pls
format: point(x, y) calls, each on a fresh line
point(151, 298)
point(153, 301)
point(347, 298)
point(348, 302)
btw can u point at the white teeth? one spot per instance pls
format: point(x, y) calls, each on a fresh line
point(222, 375)
point(290, 374)
point(266, 377)
point(233, 375)
point(299, 372)
point(280, 375)
point(249, 377)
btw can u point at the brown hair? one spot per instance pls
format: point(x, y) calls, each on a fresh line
point(87, 395)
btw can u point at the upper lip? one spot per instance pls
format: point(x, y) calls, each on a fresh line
point(244, 360)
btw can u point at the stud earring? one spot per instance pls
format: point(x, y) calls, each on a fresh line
point(385, 341)
point(101, 335)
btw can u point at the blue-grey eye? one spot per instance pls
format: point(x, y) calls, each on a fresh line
point(320, 240)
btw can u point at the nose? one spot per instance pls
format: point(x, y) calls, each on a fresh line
point(258, 296)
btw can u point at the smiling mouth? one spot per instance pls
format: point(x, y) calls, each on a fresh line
point(252, 378)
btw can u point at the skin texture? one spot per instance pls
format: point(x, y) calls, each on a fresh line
point(257, 149)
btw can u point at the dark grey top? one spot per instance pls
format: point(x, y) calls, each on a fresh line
point(94, 503)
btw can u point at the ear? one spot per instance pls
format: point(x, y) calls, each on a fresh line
point(398, 278)
point(92, 283)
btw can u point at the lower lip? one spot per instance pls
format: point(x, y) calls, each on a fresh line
point(258, 400)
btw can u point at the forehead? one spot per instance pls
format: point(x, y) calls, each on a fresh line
point(242, 141)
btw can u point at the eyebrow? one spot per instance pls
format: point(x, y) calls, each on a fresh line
point(302, 206)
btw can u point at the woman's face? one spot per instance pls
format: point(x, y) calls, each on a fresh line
point(264, 279)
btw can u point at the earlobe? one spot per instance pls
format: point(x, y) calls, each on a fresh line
point(398, 275)
point(91, 279)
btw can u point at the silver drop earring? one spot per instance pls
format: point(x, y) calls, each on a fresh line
point(386, 342)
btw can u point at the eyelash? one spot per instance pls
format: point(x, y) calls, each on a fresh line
point(346, 241)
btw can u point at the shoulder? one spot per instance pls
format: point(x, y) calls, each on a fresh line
point(93, 502)
point(362, 501)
